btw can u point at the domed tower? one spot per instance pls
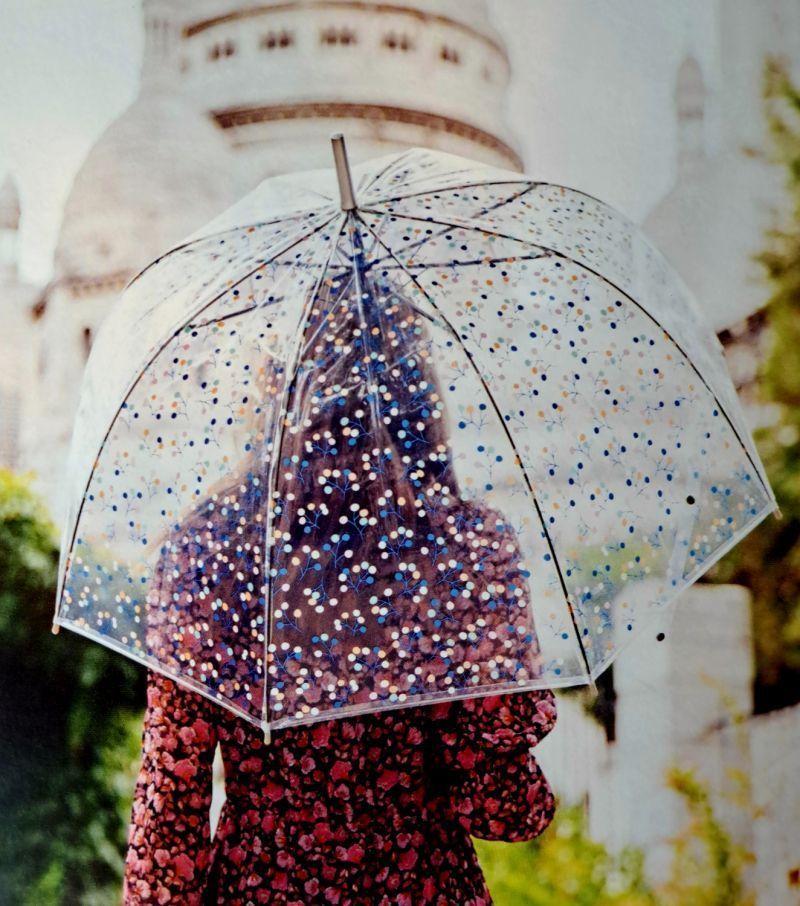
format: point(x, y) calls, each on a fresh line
point(278, 78)
point(690, 97)
point(712, 221)
point(9, 230)
point(156, 173)
point(232, 92)
point(17, 338)
point(748, 32)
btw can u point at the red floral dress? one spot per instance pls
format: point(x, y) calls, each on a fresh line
point(370, 810)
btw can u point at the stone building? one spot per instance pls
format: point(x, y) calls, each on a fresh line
point(278, 78)
point(727, 193)
point(18, 338)
point(232, 92)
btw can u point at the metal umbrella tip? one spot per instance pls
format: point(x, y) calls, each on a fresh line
point(346, 193)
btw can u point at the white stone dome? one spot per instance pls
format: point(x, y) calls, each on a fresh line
point(159, 171)
point(712, 224)
point(471, 12)
point(9, 205)
point(279, 77)
point(690, 90)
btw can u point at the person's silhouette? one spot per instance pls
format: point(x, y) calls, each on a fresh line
point(386, 588)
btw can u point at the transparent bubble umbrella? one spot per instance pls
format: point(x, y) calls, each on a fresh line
point(433, 431)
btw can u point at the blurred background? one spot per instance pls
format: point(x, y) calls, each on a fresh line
point(126, 124)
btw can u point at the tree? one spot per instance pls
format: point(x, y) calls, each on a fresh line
point(70, 724)
point(768, 560)
point(564, 867)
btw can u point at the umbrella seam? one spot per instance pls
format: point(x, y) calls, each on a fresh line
point(610, 283)
point(421, 242)
point(531, 184)
point(381, 173)
point(172, 334)
point(285, 396)
point(528, 482)
point(234, 229)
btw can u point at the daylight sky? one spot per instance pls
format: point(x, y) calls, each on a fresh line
point(591, 102)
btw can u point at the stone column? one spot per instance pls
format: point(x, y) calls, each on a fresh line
point(680, 701)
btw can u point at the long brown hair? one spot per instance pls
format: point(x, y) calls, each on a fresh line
point(365, 445)
point(359, 492)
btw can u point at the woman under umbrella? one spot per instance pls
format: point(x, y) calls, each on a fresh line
point(375, 806)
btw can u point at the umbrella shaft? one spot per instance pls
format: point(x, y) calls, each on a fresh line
point(343, 172)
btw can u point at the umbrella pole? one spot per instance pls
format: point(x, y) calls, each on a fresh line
point(346, 192)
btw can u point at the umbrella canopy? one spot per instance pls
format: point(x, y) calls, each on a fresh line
point(454, 432)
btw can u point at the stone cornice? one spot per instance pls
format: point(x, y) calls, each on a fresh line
point(362, 5)
point(232, 117)
point(88, 286)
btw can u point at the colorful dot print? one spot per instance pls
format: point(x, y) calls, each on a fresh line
point(471, 437)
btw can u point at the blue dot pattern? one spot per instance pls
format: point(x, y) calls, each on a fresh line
point(469, 438)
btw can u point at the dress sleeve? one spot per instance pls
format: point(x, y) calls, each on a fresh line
point(482, 746)
point(484, 751)
point(169, 840)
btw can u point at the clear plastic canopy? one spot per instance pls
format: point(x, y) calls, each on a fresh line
point(471, 437)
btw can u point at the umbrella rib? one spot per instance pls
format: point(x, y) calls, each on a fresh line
point(532, 184)
point(469, 185)
point(485, 210)
point(407, 268)
point(421, 242)
point(381, 173)
point(243, 311)
point(285, 396)
point(172, 334)
point(505, 201)
point(461, 226)
point(557, 254)
point(357, 251)
point(510, 439)
point(233, 314)
point(199, 239)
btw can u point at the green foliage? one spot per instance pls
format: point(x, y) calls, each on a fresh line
point(70, 725)
point(563, 867)
point(707, 865)
point(28, 558)
point(70, 742)
point(768, 560)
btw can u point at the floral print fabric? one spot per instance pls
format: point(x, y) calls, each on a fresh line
point(375, 808)
point(370, 810)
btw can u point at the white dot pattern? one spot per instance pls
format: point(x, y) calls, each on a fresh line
point(470, 438)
